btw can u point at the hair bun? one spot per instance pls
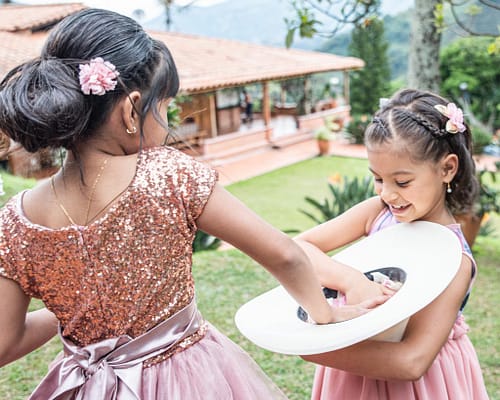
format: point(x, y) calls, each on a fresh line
point(41, 105)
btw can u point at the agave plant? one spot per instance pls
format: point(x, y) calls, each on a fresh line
point(348, 193)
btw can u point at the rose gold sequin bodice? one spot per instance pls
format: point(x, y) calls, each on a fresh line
point(126, 271)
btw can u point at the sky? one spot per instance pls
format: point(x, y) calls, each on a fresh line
point(151, 8)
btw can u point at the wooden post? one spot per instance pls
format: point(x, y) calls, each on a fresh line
point(266, 104)
point(212, 108)
point(347, 98)
point(307, 95)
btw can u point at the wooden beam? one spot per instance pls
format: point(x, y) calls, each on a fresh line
point(347, 97)
point(212, 107)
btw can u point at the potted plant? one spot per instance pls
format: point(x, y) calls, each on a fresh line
point(324, 134)
point(487, 202)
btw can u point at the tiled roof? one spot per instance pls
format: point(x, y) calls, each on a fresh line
point(18, 47)
point(14, 17)
point(204, 63)
point(207, 63)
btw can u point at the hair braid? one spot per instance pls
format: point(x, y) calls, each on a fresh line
point(433, 129)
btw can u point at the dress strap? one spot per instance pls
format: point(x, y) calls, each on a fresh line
point(112, 368)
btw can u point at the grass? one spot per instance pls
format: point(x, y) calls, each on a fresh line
point(277, 196)
point(12, 185)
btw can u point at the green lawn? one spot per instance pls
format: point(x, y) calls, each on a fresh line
point(277, 196)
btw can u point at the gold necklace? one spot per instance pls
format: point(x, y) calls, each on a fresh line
point(91, 197)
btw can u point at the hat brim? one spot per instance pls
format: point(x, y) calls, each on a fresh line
point(429, 254)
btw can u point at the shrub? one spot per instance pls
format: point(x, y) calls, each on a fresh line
point(356, 128)
point(343, 196)
point(480, 139)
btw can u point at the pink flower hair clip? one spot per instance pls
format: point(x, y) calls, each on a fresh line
point(98, 77)
point(456, 117)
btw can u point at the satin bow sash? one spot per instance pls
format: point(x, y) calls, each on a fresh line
point(112, 369)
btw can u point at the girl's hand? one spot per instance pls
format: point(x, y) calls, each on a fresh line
point(364, 289)
point(347, 312)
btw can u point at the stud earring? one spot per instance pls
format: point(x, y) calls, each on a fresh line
point(448, 187)
point(131, 132)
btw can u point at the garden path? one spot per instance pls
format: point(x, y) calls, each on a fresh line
point(248, 166)
point(272, 158)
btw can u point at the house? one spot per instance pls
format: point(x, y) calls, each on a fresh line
point(213, 73)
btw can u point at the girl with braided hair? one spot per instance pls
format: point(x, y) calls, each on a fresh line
point(419, 153)
point(106, 243)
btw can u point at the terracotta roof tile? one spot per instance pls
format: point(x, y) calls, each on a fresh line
point(14, 17)
point(16, 48)
point(207, 63)
point(204, 63)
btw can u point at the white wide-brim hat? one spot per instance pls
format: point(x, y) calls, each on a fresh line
point(429, 255)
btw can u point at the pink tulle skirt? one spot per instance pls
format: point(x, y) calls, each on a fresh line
point(454, 375)
point(215, 368)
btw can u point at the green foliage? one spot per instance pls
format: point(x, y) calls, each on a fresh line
point(203, 241)
point(397, 34)
point(372, 82)
point(356, 128)
point(494, 46)
point(173, 114)
point(305, 24)
point(323, 133)
point(467, 61)
point(489, 195)
point(480, 139)
point(342, 197)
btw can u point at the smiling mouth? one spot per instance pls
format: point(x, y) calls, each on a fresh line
point(399, 208)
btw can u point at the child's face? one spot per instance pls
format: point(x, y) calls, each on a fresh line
point(412, 190)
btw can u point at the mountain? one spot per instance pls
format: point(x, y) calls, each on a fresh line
point(257, 21)
point(263, 22)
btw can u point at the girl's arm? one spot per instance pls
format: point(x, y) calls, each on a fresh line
point(425, 335)
point(21, 332)
point(346, 228)
point(225, 217)
point(333, 234)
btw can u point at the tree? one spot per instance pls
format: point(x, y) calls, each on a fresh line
point(427, 25)
point(371, 83)
point(465, 65)
point(425, 39)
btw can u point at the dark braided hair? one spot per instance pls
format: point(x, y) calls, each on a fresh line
point(41, 101)
point(411, 119)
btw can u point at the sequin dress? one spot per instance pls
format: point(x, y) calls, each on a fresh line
point(128, 271)
point(455, 374)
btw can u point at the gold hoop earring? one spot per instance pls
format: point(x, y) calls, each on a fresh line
point(448, 188)
point(133, 131)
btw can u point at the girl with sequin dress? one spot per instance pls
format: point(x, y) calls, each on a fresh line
point(106, 243)
point(419, 154)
